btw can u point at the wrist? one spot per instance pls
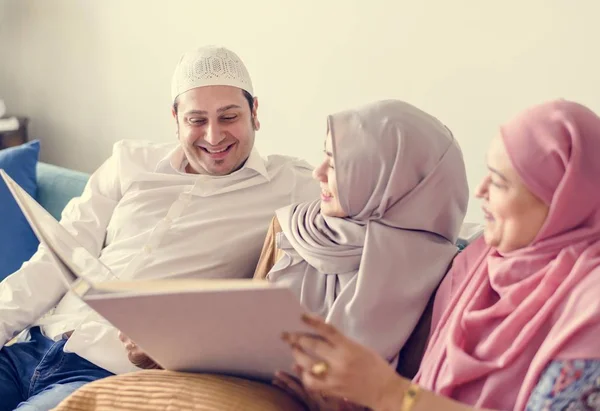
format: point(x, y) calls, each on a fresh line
point(391, 393)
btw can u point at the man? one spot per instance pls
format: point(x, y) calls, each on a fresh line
point(197, 208)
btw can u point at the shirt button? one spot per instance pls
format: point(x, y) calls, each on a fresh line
point(147, 249)
point(168, 220)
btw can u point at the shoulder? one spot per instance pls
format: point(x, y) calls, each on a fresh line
point(287, 162)
point(293, 175)
point(141, 152)
point(474, 251)
point(568, 385)
point(467, 259)
point(462, 265)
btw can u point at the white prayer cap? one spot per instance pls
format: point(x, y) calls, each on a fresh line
point(210, 66)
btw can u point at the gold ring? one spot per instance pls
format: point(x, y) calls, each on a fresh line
point(319, 369)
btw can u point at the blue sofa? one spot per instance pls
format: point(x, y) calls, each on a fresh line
point(58, 185)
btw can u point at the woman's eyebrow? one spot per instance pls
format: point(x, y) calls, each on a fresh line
point(499, 174)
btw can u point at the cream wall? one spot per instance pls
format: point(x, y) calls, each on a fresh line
point(89, 73)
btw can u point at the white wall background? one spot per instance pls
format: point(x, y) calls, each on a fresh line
point(89, 73)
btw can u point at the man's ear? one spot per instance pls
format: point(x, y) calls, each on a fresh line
point(174, 114)
point(255, 121)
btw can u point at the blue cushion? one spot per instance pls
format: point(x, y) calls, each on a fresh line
point(17, 241)
point(57, 186)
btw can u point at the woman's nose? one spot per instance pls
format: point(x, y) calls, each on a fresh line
point(482, 188)
point(319, 173)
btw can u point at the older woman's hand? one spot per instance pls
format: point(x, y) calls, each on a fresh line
point(331, 364)
point(137, 357)
point(314, 401)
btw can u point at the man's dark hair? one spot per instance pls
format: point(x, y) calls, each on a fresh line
point(247, 95)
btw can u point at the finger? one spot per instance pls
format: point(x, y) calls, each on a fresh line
point(327, 331)
point(302, 359)
point(287, 379)
point(136, 353)
point(135, 358)
point(130, 346)
point(123, 337)
point(141, 360)
point(313, 383)
point(316, 345)
point(291, 383)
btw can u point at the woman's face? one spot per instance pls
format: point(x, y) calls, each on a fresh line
point(325, 175)
point(513, 214)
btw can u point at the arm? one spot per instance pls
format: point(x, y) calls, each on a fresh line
point(393, 395)
point(354, 372)
point(565, 384)
point(269, 254)
point(31, 291)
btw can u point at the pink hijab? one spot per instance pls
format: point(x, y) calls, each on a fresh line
point(510, 315)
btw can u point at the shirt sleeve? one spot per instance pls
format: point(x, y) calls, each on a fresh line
point(36, 287)
point(569, 385)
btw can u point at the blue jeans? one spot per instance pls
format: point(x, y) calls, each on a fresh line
point(37, 375)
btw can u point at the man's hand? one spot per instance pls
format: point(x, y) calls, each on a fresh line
point(136, 355)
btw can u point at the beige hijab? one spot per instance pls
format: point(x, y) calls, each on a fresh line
point(402, 181)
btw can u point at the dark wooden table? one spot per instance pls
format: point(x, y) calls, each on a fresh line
point(16, 137)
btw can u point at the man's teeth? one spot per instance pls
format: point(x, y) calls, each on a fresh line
point(215, 151)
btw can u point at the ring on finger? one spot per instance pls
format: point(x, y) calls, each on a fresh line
point(319, 369)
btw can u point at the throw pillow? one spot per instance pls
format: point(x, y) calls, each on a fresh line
point(17, 241)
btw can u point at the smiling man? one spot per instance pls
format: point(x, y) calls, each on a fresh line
point(217, 121)
point(197, 208)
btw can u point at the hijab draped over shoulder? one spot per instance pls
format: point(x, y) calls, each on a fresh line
point(401, 179)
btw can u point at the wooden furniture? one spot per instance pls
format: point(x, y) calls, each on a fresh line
point(16, 137)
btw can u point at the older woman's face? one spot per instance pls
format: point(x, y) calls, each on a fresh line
point(325, 175)
point(513, 214)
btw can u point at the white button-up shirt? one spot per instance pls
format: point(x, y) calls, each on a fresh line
point(145, 218)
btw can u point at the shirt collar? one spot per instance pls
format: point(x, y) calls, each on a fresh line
point(176, 162)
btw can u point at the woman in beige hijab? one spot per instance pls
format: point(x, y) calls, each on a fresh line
point(370, 253)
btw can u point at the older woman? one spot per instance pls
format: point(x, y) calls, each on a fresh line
point(518, 316)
